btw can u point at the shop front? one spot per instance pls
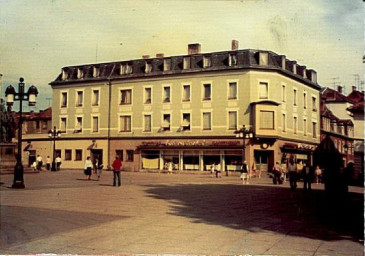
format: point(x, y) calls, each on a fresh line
point(300, 152)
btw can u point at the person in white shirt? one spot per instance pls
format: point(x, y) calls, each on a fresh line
point(39, 163)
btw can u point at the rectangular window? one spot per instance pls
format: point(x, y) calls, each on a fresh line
point(147, 123)
point(186, 92)
point(186, 63)
point(305, 100)
point(64, 100)
point(284, 123)
point(95, 71)
point(95, 99)
point(263, 90)
point(207, 119)
point(283, 93)
point(37, 124)
point(125, 123)
point(148, 67)
point(305, 127)
point(314, 125)
point(266, 119)
point(44, 125)
point(207, 94)
point(95, 123)
point(232, 91)
point(207, 62)
point(186, 122)
point(147, 95)
point(126, 68)
point(79, 99)
point(126, 97)
point(232, 60)
point(119, 153)
point(63, 124)
point(78, 127)
point(166, 64)
point(80, 73)
point(166, 94)
point(130, 155)
point(68, 154)
point(295, 97)
point(232, 120)
point(314, 104)
point(78, 155)
point(264, 58)
point(166, 122)
point(295, 124)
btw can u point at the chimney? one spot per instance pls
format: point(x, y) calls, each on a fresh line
point(339, 89)
point(160, 55)
point(193, 49)
point(234, 45)
point(283, 62)
point(353, 88)
point(146, 57)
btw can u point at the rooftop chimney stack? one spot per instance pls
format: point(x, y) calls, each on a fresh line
point(353, 88)
point(339, 89)
point(193, 49)
point(234, 45)
point(160, 55)
point(146, 57)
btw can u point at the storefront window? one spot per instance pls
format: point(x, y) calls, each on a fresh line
point(150, 159)
point(210, 157)
point(191, 160)
point(170, 156)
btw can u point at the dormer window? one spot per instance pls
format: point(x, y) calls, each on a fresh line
point(207, 62)
point(125, 68)
point(80, 73)
point(263, 58)
point(95, 72)
point(64, 75)
point(166, 64)
point(232, 59)
point(148, 67)
point(187, 63)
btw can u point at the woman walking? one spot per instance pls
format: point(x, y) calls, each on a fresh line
point(88, 167)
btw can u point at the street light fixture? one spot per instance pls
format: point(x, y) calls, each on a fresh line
point(11, 96)
point(54, 134)
point(244, 134)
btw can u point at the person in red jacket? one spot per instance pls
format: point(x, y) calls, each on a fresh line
point(117, 165)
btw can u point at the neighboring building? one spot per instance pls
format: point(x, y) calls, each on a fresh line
point(185, 109)
point(35, 139)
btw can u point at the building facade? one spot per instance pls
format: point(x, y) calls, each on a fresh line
point(186, 109)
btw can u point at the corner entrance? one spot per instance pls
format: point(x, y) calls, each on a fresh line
point(264, 159)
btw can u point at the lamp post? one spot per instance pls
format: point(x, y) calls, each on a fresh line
point(244, 134)
point(12, 96)
point(54, 134)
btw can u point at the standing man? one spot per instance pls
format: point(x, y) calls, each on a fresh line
point(48, 163)
point(292, 169)
point(244, 173)
point(307, 176)
point(58, 163)
point(117, 165)
point(39, 163)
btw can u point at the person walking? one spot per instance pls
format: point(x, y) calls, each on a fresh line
point(292, 170)
point(58, 162)
point(48, 163)
point(307, 176)
point(39, 163)
point(99, 167)
point(318, 173)
point(212, 169)
point(218, 171)
point(276, 179)
point(244, 173)
point(88, 167)
point(117, 165)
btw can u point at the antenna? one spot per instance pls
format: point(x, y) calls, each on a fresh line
point(357, 80)
point(335, 83)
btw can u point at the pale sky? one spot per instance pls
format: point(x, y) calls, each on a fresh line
point(39, 37)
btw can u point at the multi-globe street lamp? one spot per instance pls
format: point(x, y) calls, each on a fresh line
point(11, 96)
point(54, 134)
point(244, 134)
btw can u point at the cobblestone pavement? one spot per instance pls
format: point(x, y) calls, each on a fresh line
point(156, 213)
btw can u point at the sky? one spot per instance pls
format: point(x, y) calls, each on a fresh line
point(39, 37)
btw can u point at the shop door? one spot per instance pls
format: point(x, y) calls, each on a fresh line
point(32, 157)
point(97, 153)
point(264, 160)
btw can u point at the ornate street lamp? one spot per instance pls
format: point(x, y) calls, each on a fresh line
point(11, 96)
point(54, 134)
point(244, 134)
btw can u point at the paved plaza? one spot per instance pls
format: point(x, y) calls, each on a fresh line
point(156, 213)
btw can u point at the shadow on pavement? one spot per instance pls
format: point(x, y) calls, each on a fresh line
point(43, 222)
point(276, 209)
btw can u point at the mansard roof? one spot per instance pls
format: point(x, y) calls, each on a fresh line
point(234, 60)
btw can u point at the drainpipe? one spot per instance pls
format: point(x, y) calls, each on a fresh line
point(109, 115)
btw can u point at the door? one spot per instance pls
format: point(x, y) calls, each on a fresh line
point(97, 153)
point(264, 159)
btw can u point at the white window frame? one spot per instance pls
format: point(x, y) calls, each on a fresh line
point(166, 64)
point(262, 82)
point(228, 116)
point(81, 130)
point(120, 89)
point(145, 95)
point(93, 104)
point(163, 93)
point(203, 99)
point(211, 120)
point(144, 121)
point(60, 124)
point(120, 124)
point(61, 99)
point(162, 121)
point(228, 89)
point(183, 92)
point(77, 103)
point(92, 123)
point(182, 121)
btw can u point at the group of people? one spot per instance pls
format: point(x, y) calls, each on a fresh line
point(38, 163)
point(295, 171)
point(98, 166)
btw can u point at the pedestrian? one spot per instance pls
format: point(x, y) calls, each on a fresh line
point(255, 170)
point(48, 163)
point(169, 168)
point(318, 173)
point(117, 165)
point(307, 174)
point(218, 171)
point(99, 167)
point(88, 167)
point(276, 173)
point(292, 170)
point(212, 169)
point(39, 163)
point(244, 173)
point(34, 166)
point(300, 167)
point(58, 162)
point(284, 170)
